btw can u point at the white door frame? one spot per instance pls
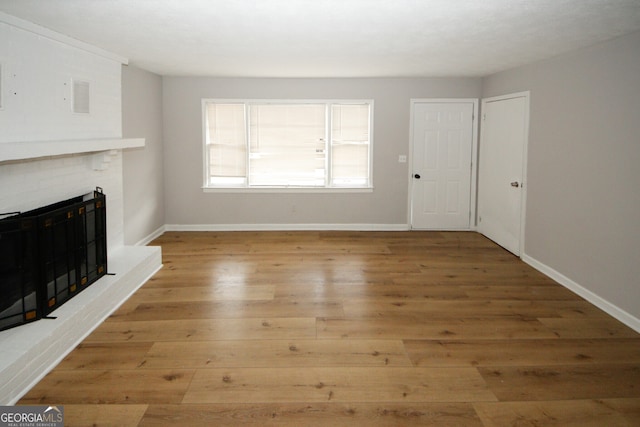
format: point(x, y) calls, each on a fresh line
point(474, 155)
point(525, 156)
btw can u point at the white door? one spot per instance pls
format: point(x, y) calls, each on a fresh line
point(442, 146)
point(501, 178)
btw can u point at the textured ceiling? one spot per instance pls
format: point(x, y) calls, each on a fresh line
point(333, 38)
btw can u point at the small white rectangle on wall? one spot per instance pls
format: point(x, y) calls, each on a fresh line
point(1, 85)
point(81, 97)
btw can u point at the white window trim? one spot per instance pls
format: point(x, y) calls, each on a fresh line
point(206, 188)
point(267, 189)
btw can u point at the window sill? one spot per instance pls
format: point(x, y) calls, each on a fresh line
point(286, 190)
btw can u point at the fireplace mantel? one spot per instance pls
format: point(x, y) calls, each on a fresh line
point(24, 150)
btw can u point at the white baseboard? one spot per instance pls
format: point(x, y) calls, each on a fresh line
point(30, 351)
point(146, 240)
point(286, 227)
point(615, 311)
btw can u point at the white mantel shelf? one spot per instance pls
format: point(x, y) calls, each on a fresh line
point(23, 150)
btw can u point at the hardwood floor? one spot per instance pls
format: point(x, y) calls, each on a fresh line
point(349, 328)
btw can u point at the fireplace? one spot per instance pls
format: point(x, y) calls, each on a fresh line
point(49, 255)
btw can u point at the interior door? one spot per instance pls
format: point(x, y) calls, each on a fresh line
point(501, 177)
point(442, 145)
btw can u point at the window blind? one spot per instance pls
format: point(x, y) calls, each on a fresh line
point(288, 144)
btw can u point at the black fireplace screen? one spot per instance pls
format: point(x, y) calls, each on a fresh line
point(50, 254)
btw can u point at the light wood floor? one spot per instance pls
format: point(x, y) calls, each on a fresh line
point(349, 328)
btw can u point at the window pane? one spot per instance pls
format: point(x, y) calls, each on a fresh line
point(227, 144)
point(287, 145)
point(350, 142)
point(350, 165)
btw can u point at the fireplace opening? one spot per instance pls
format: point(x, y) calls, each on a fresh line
point(50, 254)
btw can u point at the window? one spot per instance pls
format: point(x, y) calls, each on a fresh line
point(287, 144)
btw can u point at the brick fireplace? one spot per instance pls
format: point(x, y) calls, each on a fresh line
point(52, 151)
point(31, 350)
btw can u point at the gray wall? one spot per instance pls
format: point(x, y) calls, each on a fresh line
point(583, 202)
point(386, 205)
point(143, 175)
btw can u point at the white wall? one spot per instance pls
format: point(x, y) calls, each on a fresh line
point(385, 206)
point(142, 167)
point(37, 75)
point(583, 203)
point(36, 106)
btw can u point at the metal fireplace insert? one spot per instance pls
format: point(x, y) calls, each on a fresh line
point(50, 254)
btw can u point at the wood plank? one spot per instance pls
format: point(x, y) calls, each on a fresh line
point(238, 385)
point(185, 293)
point(344, 266)
point(230, 310)
point(103, 415)
point(366, 292)
point(283, 246)
point(181, 237)
point(106, 356)
point(412, 328)
point(513, 383)
point(456, 274)
point(457, 309)
point(208, 329)
point(221, 262)
point(576, 308)
point(314, 414)
point(210, 277)
point(599, 327)
point(561, 413)
point(139, 386)
point(539, 352)
point(520, 292)
point(276, 353)
point(319, 247)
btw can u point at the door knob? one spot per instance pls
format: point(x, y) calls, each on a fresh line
point(515, 184)
point(416, 176)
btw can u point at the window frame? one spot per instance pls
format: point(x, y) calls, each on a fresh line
point(327, 188)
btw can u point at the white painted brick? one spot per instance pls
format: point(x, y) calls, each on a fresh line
point(29, 185)
point(39, 71)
